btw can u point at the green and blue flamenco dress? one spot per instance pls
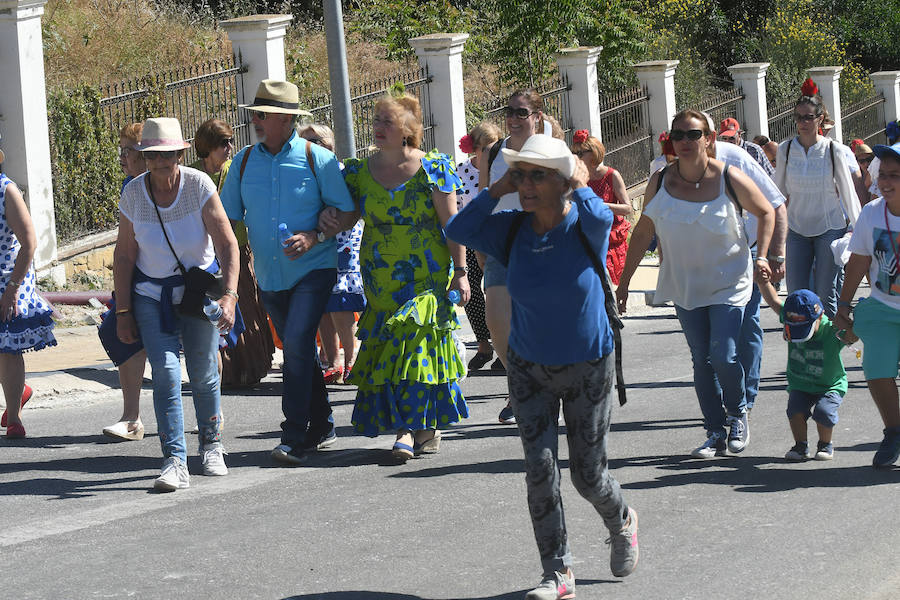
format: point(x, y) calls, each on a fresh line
point(408, 367)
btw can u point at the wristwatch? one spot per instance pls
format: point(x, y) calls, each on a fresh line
point(465, 270)
point(320, 236)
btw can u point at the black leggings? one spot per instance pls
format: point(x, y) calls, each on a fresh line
point(475, 307)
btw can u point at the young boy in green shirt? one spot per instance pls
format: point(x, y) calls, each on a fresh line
point(816, 378)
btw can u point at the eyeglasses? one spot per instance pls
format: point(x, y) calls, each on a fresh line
point(807, 118)
point(536, 176)
point(866, 160)
point(123, 152)
point(227, 142)
point(676, 135)
point(519, 113)
point(164, 154)
point(258, 114)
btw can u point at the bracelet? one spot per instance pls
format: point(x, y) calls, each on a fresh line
point(14, 283)
point(465, 270)
point(777, 259)
point(232, 293)
point(762, 258)
point(123, 311)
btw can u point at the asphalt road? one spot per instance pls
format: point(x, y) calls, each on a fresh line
point(80, 519)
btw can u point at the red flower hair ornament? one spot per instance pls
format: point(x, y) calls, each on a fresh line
point(581, 136)
point(663, 137)
point(809, 88)
point(856, 144)
point(466, 144)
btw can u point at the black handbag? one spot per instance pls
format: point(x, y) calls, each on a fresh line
point(199, 284)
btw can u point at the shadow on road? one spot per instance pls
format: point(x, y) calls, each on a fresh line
point(374, 595)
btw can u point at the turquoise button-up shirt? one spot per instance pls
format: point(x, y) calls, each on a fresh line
point(283, 189)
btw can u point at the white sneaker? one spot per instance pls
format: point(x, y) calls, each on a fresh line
point(174, 476)
point(214, 459)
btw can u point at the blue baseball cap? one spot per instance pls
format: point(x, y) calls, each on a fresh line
point(801, 310)
point(881, 150)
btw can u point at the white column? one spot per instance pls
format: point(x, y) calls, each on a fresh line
point(888, 84)
point(579, 66)
point(23, 122)
point(658, 76)
point(827, 79)
point(441, 53)
point(750, 80)
point(258, 40)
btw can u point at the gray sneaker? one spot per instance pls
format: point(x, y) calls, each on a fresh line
point(556, 586)
point(713, 446)
point(173, 476)
point(739, 436)
point(213, 457)
point(624, 552)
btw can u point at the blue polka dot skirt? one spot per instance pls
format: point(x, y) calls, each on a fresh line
point(408, 368)
point(32, 329)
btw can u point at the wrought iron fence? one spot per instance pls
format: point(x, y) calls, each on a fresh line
point(864, 120)
point(555, 95)
point(625, 128)
point(362, 103)
point(781, 120)
point(190, 94)
point(721, 104)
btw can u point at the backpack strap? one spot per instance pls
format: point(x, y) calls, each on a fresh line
point(514, 227)
point(612, 312)
point(493, 152)
point(244, 159)
point(662, 173)
point(787, 152)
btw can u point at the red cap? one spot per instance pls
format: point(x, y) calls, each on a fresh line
point(729, 127)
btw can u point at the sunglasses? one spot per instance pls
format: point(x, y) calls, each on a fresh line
point(864, 160)
point(519, 113)
point(227, 142)
point(315, 140)
point(123, 152)
point(580, 153)
point(536, 176)
point(258, 114)
point(154, 154)
point(728, 138)
point(676, 135)
point(805, 118)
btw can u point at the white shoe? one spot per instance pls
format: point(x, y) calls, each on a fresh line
point(125, 430)
point(174, 476)
point(214, 460)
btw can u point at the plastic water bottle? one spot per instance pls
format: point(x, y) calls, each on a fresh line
point(284, 234)
point(212, 310)
point(454, 296)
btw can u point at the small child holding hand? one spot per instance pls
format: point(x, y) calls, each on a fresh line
point(816, 378)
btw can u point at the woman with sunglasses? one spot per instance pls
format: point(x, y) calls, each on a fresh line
point(248, 358)
point(560, 344)
point(813, 174)
point(609, 187)
point(695, 206)
point(524, 118)
point(171, 220)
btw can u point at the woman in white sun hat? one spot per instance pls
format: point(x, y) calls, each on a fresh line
point(171, 222)
point(560, 343)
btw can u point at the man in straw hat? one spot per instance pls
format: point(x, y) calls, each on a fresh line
point(284, 180)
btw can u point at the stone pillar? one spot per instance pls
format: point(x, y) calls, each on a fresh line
point(750, 80)
point(658, 76)
point(827, 80)
point(888, 84)
point(441, 53)
point(23, 122)
point(579, 66)
point(258, 40)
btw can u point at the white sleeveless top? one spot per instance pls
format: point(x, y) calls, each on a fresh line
point(706, 258)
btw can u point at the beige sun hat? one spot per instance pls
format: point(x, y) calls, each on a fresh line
point(274, 96)
point(2, 157)
point(545, 151)
point(162, 133)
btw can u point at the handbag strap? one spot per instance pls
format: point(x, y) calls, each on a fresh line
point(159, 216)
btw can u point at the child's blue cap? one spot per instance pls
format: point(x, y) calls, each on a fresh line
point(881, 151)
point(801, 310)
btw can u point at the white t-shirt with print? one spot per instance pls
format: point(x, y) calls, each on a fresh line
point(183, 220)
point(880, 239)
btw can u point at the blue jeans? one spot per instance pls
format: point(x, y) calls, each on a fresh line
point(296, 313)
point(712, 334)
point(200, 341)
point(750, 346)
point(801, 253)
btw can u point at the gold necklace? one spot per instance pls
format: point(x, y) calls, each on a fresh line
point(683, 178)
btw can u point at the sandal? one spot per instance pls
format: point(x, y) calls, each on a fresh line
point(125, 430)
point(430, 445)
point(332, 375)
point(479, 360)
point(27, 393)
point(401, 450)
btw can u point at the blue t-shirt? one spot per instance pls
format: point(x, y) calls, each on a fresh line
point(558, 312)
point(283, 189)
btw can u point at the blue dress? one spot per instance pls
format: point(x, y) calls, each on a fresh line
point(33, 328)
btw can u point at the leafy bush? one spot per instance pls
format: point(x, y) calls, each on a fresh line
point(84, 155)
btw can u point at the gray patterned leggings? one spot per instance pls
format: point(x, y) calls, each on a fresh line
point(586, 391)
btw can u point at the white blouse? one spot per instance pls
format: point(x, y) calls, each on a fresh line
point(820, 194)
